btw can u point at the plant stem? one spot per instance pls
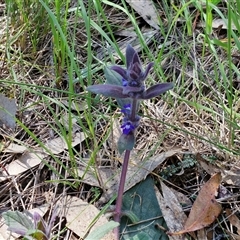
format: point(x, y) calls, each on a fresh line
point(120, 192)
point(134, 109)
point(117, 215)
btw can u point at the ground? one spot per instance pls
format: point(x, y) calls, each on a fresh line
point(64, 142)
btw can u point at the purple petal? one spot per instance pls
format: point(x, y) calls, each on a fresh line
point(120, 71)
point(126, 109)
point(50, 225)
point(127, 127)
point(130, 52)
point(124, 82)
point(107, 90)
point(136, 59)
point(149, 66)
point(156, 90)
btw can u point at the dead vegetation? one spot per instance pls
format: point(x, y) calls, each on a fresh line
point(40, 167)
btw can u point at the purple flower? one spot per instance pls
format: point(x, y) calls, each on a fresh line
point(134, 74)
point(127, 127)
point(126, 110)
point(124, 82)
point(129, 83)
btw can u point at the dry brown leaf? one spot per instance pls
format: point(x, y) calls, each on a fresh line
point(109, 177)
point(65, 122)
point(127, 32)
point(138, 171)
point(57, 145)
point(172, 210)
point(115, 134)
point(8, 109)
point(216, 23)
point(80, 215)
point(146, 10)
point(231, 177)
point(25, 162)
point(233, 219)
point(76, 105)
point(15, 148)
point(182, 198)
point(205, 209)
point(31, 159)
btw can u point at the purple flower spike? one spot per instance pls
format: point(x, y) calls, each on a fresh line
point(134, 74)
point(127, 127)
point(123, 84)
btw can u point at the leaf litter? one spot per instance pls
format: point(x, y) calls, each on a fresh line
point(80, 215)
point(172, 210)
point(8, 109)
point(33, 157)
point(138, 171)
point(146, 9)
point(233, 219)
point(186, 120)
point(205, 209)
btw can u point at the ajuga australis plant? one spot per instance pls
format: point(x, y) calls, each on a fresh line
point(128, 87)
point(30, 226)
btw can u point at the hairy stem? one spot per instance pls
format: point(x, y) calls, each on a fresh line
point(117, 215)
point(134, 109)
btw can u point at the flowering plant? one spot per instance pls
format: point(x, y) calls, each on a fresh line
point(30, 226)
point(128, 87)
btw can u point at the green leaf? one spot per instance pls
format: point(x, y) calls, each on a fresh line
point(140, 236)
point(126, 142)
point(36, 234)
point(114, 78)
point(131, 216)
point(215, 2)
point(101, 231)
point(142, 201)
point(18, 222)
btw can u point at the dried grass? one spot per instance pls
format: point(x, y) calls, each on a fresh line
point(165, 124)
